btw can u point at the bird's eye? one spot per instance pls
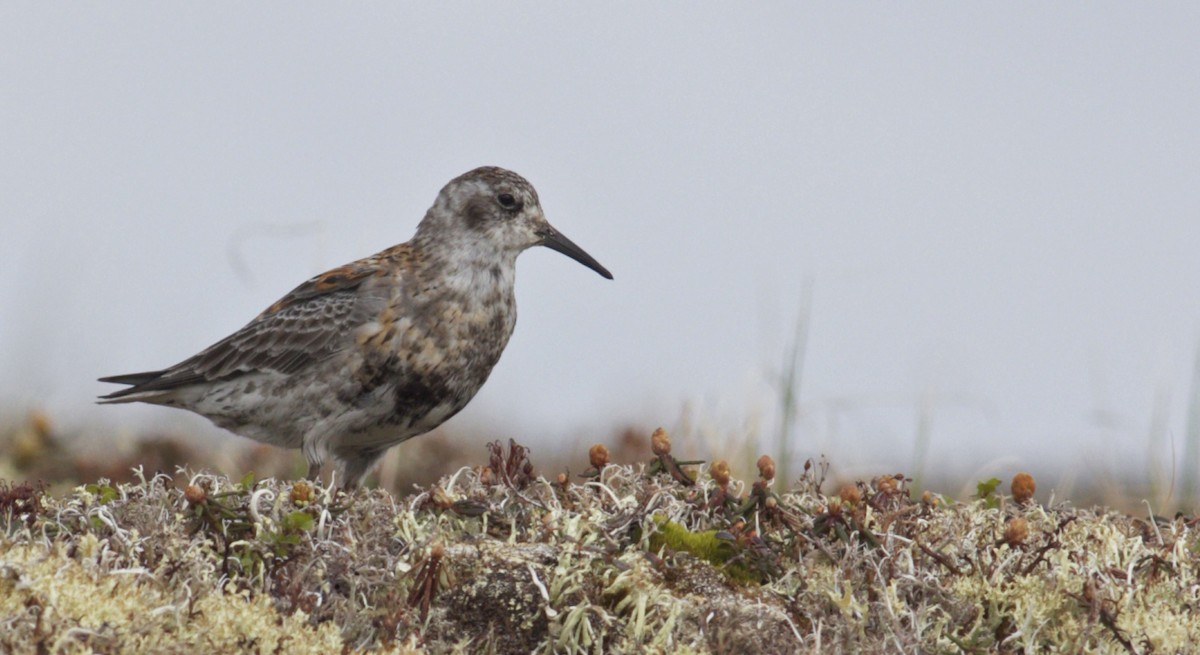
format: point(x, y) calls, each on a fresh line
point(508, 202)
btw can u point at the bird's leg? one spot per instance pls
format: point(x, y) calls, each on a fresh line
point(357, 464)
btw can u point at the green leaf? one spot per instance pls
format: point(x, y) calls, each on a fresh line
point(986, 490)
point(298, 521)
point(247, 481)
point(106, 493)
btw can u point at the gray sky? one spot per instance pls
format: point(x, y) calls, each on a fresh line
point(997, 205)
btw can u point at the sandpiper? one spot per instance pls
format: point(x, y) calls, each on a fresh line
point(370, 354)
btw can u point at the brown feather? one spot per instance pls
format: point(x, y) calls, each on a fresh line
point(306, 325)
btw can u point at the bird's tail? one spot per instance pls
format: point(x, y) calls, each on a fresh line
point(133, 393)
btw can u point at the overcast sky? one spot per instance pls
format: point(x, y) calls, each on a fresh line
point(998, 206)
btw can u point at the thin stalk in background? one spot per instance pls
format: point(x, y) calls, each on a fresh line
point(924, 432)
point(790, 383)
point(1158, 470)
point(1191, 439)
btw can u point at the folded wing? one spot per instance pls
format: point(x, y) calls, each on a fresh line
point(312, 322)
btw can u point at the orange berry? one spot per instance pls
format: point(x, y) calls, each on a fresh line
point(195, 494)
point(850, 494)
point(302, 493)
point(720, 472)
point(1016, 531)
point(766, 467)
point(598, 456)
point(1023, 487)
point(660, 443)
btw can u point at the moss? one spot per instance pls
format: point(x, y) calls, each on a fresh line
point(713, 546)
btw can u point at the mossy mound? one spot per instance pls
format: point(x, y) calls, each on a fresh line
point(624, 561)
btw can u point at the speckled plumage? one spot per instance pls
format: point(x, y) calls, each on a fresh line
point(367, 355)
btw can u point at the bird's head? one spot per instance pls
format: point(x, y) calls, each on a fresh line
point(492, 207)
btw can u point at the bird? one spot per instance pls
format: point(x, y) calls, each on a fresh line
point(378, 351)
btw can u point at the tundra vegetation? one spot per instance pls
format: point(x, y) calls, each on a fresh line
point(654, 555)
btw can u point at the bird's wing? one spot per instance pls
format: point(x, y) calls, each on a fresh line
point(310, 323)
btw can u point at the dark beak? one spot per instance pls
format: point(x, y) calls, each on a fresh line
point(553, 240)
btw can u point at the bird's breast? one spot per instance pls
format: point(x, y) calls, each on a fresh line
point(423, 359)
